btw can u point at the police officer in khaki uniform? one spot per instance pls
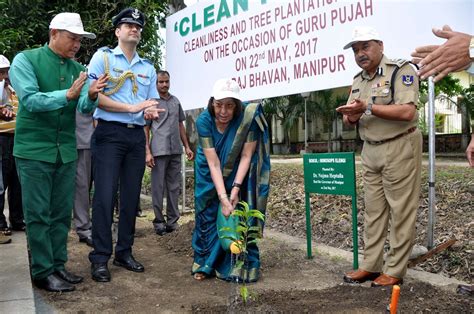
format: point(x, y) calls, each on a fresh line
point(383, 104)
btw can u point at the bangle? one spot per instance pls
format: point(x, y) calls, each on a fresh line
point(222, 196)
point(236, 185)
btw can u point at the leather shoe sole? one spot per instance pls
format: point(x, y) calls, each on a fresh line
point(69, 277)
point(53, 283)
point(385, 280)
point(360, 276)
point(100, 272)
point(131, 265)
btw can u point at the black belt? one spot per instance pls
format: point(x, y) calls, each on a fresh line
point(124, 125)
point(410, 130)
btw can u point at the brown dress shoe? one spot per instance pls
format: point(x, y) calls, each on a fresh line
point(359, 276)
point(386, 280)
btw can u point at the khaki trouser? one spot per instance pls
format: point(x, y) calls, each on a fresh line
point(392, 183)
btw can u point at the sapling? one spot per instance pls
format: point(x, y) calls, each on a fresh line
point(237, 232)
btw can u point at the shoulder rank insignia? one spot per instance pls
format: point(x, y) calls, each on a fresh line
point(398, 62)
point(407, 79)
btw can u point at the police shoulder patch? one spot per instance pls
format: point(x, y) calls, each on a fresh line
point(407, 80)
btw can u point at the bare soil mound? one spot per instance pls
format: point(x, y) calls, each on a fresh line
point(289, 283)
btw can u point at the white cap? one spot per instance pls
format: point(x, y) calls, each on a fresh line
point(363, 33)
point(70, 22)
point(226, 88)
point(4, 63)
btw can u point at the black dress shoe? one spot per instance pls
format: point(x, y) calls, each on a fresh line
point(170, 229)
point(69, 277)
point(54, 284)
point(100, 272)
point(129, 263)
point(19, 227)
point(161, 232)
point(6, 231)
point(87, 240)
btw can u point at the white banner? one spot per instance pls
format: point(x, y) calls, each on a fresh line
point(281, 47)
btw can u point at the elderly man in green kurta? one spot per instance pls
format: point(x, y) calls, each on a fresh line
point(50, 86)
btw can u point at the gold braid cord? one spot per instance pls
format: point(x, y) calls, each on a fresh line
point(118, 81)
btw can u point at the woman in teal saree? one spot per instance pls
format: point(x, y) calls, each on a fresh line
point(232, 164)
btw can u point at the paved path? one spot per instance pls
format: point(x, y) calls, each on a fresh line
point(16, 292)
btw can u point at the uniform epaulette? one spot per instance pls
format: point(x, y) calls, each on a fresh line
point(105, 48)
point(398, 62)
point(358, 74)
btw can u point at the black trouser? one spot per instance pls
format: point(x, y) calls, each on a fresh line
point(118, 153)
point(10, 182)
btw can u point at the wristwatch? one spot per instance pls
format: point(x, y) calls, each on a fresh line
point(368, 111)
point(236, 185)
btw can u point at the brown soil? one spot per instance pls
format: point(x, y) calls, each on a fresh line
point(289, 283)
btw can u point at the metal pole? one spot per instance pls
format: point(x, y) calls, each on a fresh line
point(183, 174)
point(305, 128)
point(431, 150)
point(355, 234)
point(309, 246)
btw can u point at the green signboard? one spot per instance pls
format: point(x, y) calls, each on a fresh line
point(332, 173)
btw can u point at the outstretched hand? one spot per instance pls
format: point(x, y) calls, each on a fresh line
point(153, 113)
point(355, 107)
point(440, 60)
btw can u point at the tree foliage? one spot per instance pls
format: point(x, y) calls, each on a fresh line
point(24, 24)
point(325, 104)
point(448, 86)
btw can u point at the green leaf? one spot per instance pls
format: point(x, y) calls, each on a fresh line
point(238, 213)
point(255, 229)
point(244, 205)
point(240, 229)
point(232, 238)
point(257, 214)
